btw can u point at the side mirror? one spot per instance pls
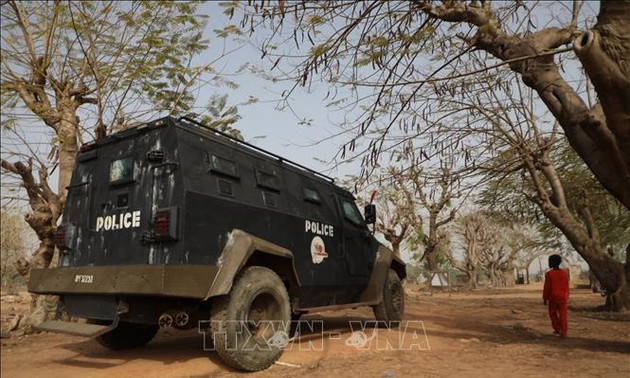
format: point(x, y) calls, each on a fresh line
point(370, 214)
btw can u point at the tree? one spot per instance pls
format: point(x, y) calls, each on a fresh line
point(392, 229)
point(221, 116)
point(524, 155)
point(14, 242)
point(502, 195)
point(388, 46)
point(536, 247)
point(512, 243)
point(75, 71)
point(398, 212)
point(424, 67)
point(473, 232)
point(435, 192)
point(490, 243)
point(410, 195)
point(80, 68)
point(557, 187)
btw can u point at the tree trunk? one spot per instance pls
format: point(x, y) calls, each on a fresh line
point(40, 259)
point(583, 236)
point(469, 279)
point(600, 135)
point(431, 243)
point(431, 258)
point(620, 299)
point(67, 131)
point(395, 241)
point(471, 275)
point(471, 260)
point(527, 274)
point(507, 278)
point(604, 52)
point(494, 277)
point(393, 237)
point(396, 249)
point(47, 207)
point(43, 307)
point(612, 275)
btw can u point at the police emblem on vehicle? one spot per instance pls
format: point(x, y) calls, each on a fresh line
point(318, 250)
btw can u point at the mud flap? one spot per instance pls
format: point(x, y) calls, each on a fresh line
point(77, 329)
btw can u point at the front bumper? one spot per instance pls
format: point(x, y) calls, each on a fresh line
point(186, 281)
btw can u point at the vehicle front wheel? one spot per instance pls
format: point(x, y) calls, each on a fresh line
point(392, 305)
point(250, 325)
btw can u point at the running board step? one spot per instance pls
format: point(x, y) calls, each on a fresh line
point(78, 329)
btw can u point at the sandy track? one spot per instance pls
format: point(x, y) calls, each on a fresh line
point(490, 333)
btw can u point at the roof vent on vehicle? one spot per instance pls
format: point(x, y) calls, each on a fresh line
point(155, 156)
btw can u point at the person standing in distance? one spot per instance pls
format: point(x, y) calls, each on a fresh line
point(556, 295)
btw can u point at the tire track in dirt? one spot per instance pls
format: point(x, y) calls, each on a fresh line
point(500, 333)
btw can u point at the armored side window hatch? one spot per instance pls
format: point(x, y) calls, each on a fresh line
point(311, 195)
point(121, 171)
point(225, 188)
point(223, 166)
point(351, 213)
point(267, 180)
point(270, 199)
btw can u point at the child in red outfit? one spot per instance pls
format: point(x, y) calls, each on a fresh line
point(556, 294)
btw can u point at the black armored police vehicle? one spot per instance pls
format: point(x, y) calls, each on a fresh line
point(171, 224)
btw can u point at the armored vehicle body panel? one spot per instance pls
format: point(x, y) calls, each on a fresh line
point(175, 211)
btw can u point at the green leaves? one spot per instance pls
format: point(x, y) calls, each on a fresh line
point(319, 50)
point(315, 19)
point(221, 117)
point(229, 7)
point(228, 31)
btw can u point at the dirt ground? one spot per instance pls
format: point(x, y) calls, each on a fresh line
point(490, 333)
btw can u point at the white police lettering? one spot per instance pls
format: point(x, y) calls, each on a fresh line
point(318, 228)
point(118, 221)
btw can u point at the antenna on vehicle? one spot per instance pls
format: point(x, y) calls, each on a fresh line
point(373, 196)
point(370, 212)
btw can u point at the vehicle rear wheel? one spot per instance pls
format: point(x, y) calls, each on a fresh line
point(392, 306)
point(126, 335)
point(250, 325)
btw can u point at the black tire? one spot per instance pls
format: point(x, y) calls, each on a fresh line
point(392, 307)
point(250, 323)
point(126, 335)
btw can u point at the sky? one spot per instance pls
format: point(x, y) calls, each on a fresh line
point(263, 123)
point(278, 130)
